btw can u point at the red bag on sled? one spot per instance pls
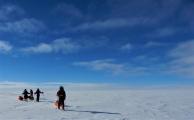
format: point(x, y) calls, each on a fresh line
point(20, 98)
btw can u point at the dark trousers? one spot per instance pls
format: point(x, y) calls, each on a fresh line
point(25, 97)
point(61, 103)
point(37, 98)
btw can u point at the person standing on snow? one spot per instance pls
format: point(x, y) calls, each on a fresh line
point(25, 93)
point(38, 94)
point(61, 97)
point(31, 95)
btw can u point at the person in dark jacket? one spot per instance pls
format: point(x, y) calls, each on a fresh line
point(25, 93)
point(31, 95)
point(61, 97)
point(38, 94)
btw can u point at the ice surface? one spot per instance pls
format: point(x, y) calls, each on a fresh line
point(99, 103)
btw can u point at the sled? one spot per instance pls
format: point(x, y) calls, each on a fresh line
point(20, 98)
point(55, 104)
point(31, 98)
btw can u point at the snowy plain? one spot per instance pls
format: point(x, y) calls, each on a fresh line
point(99, 102)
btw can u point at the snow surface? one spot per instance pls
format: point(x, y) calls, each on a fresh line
point(93, 102)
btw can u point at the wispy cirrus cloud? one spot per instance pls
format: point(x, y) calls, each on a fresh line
point(5, 47)
point(102, 65)
point(13, 19)
point(146, 13)
point(111, 66)
point(154, 44)
point(111, 23)
point(63, 45)
point(40, 48)
point(23, 26)
point(10, 11)
point(164, 32)
point(126, 47)
point(182, 59)
point(183, 49)
point(67, 45)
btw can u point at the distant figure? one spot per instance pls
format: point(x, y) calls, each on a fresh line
point(38, 94)
point(25, 93)
point(61, 97)
point(31, 95)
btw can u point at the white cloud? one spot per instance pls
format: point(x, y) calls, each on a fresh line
point(127, 46)
point(110, 65)
point(111, 23)
point(164, 32)
point(183, 59)
point(64, 45)
point(181, 62)
point(145, 59)
point(8, 12)
point(184, 49)
point(93, 42)
point(5, 47)
point(13, 20)
point(24, 26)
point(154, 44)
point(103, 65)
point(41, 48)
point(67, 45)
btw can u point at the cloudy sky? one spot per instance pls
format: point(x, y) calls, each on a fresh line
point(138, 42)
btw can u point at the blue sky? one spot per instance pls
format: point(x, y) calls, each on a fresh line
point(134, 42)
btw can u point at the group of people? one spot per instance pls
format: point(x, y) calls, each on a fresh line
point(31, 97)
point(61, 94)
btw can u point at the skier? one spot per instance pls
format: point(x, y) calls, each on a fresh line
point(61, 97)
point(25, 93)
point(38, 94)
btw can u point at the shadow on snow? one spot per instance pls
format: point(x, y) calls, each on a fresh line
point(94, 112)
